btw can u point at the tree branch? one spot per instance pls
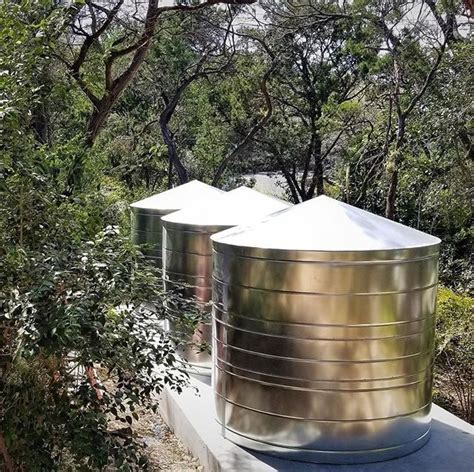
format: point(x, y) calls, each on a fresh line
point(255, 129)
point(91, 39)
point(427, 81)
point(202, 5)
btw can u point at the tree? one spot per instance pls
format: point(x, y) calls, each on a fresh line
point(318, 76)
point(455, 349)
point(115, 42)
point(190, 68)
point(196, 50)
point(71, 294)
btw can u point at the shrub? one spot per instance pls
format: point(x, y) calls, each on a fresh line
point(73, 306)
point(455, 349)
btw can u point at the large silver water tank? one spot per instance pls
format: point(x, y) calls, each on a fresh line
point(146, 214)
point(187, 253)
point(324, 324)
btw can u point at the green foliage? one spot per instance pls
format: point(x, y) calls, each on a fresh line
point(455, 348)
point(71, 292)
point(72, 306)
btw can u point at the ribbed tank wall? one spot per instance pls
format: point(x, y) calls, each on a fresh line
point(187, 257)
point(324, 357)
point(187, 269)
point(146, 229)
point(146, 214)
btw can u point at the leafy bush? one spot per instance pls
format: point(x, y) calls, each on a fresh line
point(72, 307)
point(455, 350)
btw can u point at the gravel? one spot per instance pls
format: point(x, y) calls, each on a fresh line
point(165, 452)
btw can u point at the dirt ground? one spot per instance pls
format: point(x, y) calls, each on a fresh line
point(165, 452)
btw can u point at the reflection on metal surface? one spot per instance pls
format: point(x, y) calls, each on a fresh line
point(146, 214)
point(323, 327)
point(187, 253)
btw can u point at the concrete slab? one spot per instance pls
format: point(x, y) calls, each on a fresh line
point(191, 416)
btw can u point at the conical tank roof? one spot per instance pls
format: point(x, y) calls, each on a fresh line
point(178, 197)
point(239, 206)
point(326, 229)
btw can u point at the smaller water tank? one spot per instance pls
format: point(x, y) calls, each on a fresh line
point(146, 214)
point(187, 253)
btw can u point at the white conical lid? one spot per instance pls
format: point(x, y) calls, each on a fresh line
point(240, 206)
point(179, 197)
point(325, 225)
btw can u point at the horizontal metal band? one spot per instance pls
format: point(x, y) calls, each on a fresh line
point(313, 420)
point(337, 263)
point(332, 384)
point(186, 242)
point(309, 277)
point(190, 264)
point(287, 378)
point(316, 360)
point(186, 254)
point(180, 279)
point(167, 248)
point(339, 349)
point(167, 225)
point(332, 294)
point(333, 405)
point(309, 369)
point(311, 390)
point(150, 212)
point(194, 227)
point(146, 223)
point(287, 336)
point(329, 435)
point(291, 307)
point(322, 325)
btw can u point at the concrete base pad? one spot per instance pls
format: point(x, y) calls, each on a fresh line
point(191, 415)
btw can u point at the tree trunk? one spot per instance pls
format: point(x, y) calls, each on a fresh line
point(318, 168)
point(347, 184)
point(170, 174)
point(292, 185)
point(39, 123)
point(97, 122)
point(317, 181)
point(391, 200)
point(7, 460)
point(94, 126)
point(392, 195)
point(173, 152)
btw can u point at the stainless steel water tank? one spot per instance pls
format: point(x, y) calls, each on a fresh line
point(324, 324)
point(187, 253)
point(146, 214)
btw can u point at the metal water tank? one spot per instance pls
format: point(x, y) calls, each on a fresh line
point(324, 324)
point(187, 254)
point(146, 214)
